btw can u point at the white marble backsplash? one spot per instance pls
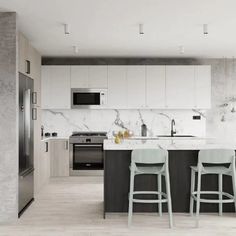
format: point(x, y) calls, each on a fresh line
point(64, 122)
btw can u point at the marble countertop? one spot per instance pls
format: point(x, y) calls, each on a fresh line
point(193, 143)
point(53, 138)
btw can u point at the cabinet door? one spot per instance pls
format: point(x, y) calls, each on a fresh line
point(56, 87)
point(155, 86)
point(117, 87)
point(59, 158)
point(42, 170)
point(136, 86)
point(37, 77)
point(79, 76)
point(97, 76)
point(61, 87)
point(32, 59)
point(37, 149)
point(23, 47)
point(203, 87)
point(180, 87)
point(46, 87)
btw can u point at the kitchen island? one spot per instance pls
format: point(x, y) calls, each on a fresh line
point(182, 154)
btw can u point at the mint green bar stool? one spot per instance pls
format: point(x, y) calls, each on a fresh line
point(219, 157)
point(155, 162)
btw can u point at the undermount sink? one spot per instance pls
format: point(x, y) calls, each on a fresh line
point(176, 136)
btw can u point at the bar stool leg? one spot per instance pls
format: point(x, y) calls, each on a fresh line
point(131, 197)
point(220, 182)
point(159, 196)
point(191, 192)
point(198, 198)
point(167, 179)
point(234, 185)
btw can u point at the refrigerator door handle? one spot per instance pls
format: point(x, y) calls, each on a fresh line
point(27, 118)
point(34, 113)
point(34, 98)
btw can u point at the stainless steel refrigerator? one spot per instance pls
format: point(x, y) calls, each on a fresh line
point(26, 142)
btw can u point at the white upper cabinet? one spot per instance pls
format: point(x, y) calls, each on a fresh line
point(88, 76)
point(203, 87)
point(46, 87)
point(180, 87)
point(97, 77)
point(117, 87)
point(55, 87)
point(79, 76)
point(155, 87)
point(136, 84)
point(131, 87)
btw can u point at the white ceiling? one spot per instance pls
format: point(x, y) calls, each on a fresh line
point(110, 27)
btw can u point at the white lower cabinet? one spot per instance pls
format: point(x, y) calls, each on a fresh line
point(53, 161)
point(59, 158)
point(42, 169)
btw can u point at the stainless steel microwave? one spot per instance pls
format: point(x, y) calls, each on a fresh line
point(88, 98)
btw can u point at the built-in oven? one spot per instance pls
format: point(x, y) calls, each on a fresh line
point(86, 151)
point(87, 156)
point(88, 98)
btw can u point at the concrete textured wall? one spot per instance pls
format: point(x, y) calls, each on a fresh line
point(8, 119)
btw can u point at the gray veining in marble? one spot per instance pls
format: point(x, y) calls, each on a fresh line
point(8, 119)
point(64, 122)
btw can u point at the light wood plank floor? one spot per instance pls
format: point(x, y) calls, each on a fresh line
point(73, 206)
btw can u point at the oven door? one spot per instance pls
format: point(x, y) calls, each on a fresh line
point(87, 156)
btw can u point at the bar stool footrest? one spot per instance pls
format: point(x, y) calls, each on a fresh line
point(150, 200)
point(204, 200)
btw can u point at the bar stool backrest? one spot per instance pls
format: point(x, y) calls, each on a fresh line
point(216, 156)
point(149, 156)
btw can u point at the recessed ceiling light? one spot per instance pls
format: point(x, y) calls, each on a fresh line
point(67, 28)
point(76, 49)
point(205, 29)
point(141, 29)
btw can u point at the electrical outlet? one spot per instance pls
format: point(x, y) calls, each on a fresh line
point(196, 117)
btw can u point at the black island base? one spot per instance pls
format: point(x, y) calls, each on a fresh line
point(117, 178)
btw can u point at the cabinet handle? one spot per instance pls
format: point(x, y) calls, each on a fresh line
point(66, 145)
point(34, 98)
point(34, 113)
point(27, 67)
point(46, 149)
